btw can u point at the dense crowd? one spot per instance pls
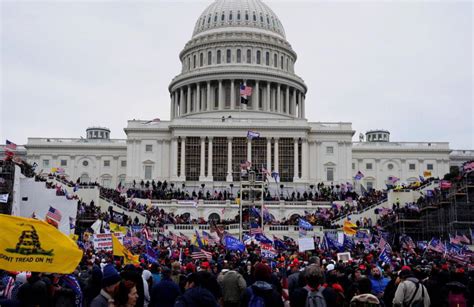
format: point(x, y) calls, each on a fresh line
point(170, 275)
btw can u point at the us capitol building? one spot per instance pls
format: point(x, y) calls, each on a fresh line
point(237, 42)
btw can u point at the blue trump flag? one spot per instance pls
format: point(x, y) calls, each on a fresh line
point(262, 238)
point(333, 244)
point(385, 257)
point(233, 244)
point(305, 224)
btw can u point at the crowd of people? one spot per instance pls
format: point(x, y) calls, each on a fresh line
point(169, 274)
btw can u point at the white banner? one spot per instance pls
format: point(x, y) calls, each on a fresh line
point(103, 241)
point(305, 244)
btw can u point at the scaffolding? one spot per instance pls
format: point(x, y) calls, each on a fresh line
point(252, 186)
point(7, 175)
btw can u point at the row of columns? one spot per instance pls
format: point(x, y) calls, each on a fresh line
point(282, 99)
point(202, 177)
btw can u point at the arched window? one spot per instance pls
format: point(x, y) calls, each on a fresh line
point(203, 21)
point(246, 16)
point(201, 59)
point(287, 64)
point(218, 60)
point(228, 56)
point(254, 17)
point(261, 18)
point(209, 20)
point(223, 16)
point(230, 16)
point(249, 56)
point(189, 63)
point(214, 217)
point(259, 60)
point(194, 61)
point(275, 60)
point(215, 18)
point(281, 62)
point(267, 58)
point(209, 58)
point(238, 15)
point(268, 20)
point(239, 55)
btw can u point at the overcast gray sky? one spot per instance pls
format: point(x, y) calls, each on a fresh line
point(405, 66)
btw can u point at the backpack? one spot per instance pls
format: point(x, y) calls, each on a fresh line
point(457, 299)
point(255, 300)
point(315, 298)
point(418, 303)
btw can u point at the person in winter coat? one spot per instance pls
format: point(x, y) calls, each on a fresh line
point(165, 292)
point(196, 295)
point(364, 296)
point(262, 288)
point(410, 290)
point(379, 283)
point(110, 283)
point(233, 285)
point(314, 279)
point(34, 292)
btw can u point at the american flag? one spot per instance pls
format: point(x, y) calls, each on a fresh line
point(146, 233)
point(199, 254)
point(54, 214)
point(245, 90)
point(255, 229)
point(10, 145)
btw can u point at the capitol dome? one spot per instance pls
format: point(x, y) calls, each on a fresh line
point(254, 15)
point(238, 43)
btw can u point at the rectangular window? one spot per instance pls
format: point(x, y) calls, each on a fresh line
point(368, 166)
point(286, 154)
point(148, 169)
point(193, 158)
point(219, 158)
point(330, 174)
point(353, 166)
point(370, 185)
point(228, 56)
point(106, 163)
point(330, 150)
point(63, 162)
point(148, 148)
point(123, 163)
point(429, 167)
point(249, 56)
point(412, 166)
point(46, 163)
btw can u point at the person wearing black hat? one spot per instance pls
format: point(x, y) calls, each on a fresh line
point(410, 291)
point(110, 283)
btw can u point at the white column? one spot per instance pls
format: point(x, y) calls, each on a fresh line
point(209, 160)
point(202, 173)
point(221, 100)
point(278, 99)
point(303, 107)
point(249, 150)
point(287, 100)
point(268, 99)
point(229, 160)
point(172, 106)
point(208, 96)
point(255, 96)
point(293, 103)
point(181, 102)
point(276, 158)
point(183, 159)
point(299, 104)
point(295, 176)
point(269, 154)
point(159, 159)
point(232, 95)
point(174, 159)
point(188, 100)
point(198, 98)
point(312, 160)
point(304, 160)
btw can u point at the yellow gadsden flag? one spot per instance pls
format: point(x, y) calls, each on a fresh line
point(122, 251)
point(117, 228)
point(349, 228)
point(33, 245)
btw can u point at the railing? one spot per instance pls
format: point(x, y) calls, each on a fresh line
point(121, 207)
point(359, 212)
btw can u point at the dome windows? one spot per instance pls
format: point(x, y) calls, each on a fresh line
point(254, 17)
point(201, 60)
point(218, 60)
point(228, 56)
point(238, 15)
point(194, 61)
point(203, 21)
point(281, 62)
point(239, 56)
point(249, 56)
point(215, 18)
point(222, 16)
point(209, 58)
point(275, 60)
point(246, 16)
point(268, 20)
point(267, 58)
point(261, 18)
point(259, 57)
point(230, 16)
point(209, 20)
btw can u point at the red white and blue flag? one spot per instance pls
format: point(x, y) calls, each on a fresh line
point(245, 91)
point(54, 214)
point(10, 145)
